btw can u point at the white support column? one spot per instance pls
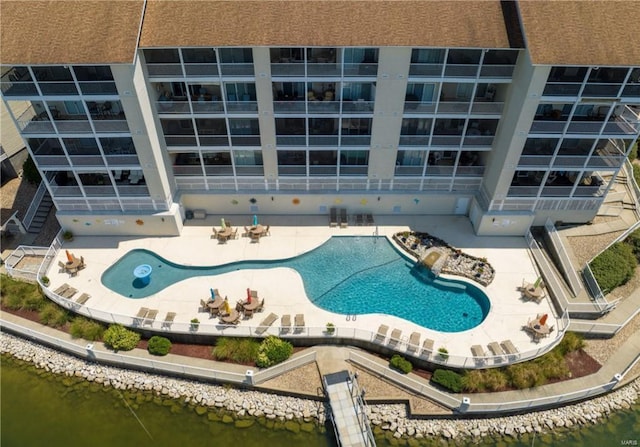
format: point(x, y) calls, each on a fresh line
point(264, 96)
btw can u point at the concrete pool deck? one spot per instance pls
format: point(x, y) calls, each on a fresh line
point(283, 289)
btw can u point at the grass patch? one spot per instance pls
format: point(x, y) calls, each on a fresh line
point(20, 295)
point(239, 350)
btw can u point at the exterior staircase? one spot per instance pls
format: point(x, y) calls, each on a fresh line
point(41, 213)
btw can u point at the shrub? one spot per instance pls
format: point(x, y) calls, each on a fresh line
point(552, 365)
point(570, 342)
point(614, 266)
point(86, 329)
point(273, 350)
point(401, 364)
point(20, 295)
point(119, 338)
point(525, 375)
point(495, 379)
point(30, 172)
point(633, 153)
point(473, 380)
point(443, 353)
point(448, 379)
point(636, 173)
point(53, 315)
point(239, 350)
point(634, 241)
point(159, 345)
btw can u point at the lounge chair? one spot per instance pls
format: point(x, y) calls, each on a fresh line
point(478, 354)
point(232, 318)
point(61, 289)
point(333, 217)
point(344, 221)
point(496, 349)
point(394, 339)
point(359, 219)
point(139, 318)
point(509, 347)
point(168, 319)
point(264, 324)
point(382, 333)
point(427, 347)
point(285, 323)
point(369, 219)
point(69, 293)
point(414, 342)
point(299, 323)
point(150, 317)
point(83, 298)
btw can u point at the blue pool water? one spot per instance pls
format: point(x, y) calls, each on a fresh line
point(346, 275)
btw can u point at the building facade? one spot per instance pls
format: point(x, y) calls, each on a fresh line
point(484, 123)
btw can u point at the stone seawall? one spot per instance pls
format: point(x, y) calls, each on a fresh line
point(390, 418)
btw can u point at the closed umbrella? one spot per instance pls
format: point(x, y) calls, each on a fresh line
point(213, 294)
point(543, 319)
point(226, 306)
point(255, 220)
point(69, 256)
point(222, 223)
point(248, 296)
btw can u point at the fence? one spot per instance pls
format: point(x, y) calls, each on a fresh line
point(26, 272)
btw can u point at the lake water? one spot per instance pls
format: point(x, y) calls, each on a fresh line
point(38, 408)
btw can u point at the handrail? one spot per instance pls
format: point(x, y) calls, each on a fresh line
point(565, 263)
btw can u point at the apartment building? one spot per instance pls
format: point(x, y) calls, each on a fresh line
point(137, 113)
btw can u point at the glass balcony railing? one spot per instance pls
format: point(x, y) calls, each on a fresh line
point(587, 191)
point(110, 125)
point(250, 170)
point(133, 190)
point(291, 140)
point(330, 170)
point(213, 140)
point(534, 161)
point(292, 170)
point(207, 107)
point(487, 108)
point(446, 140)
point(419, 107)
point(66, 191)
point(52, 160)
point(191, 170)
point(523, 191)
point(323, 140)
point(16, 88)
point(196, 70)
point(358, 106)
point(409, 170)
point(354, 170)
point(245, 140)
point(323, 107)
point(242, 106)
point(173, 106)
point(631, 91)
point(288, 69)
point(439, 170)
point(240, 69)
point(289, 106)
point(547, 126)
point(361, 69)
point(561, 89)
point(218, 169)
point(585, 127)
point(355, 140)
point(470, 171)
point(99, 88)
point(606, 161)
point(556, 191)
point(73, 126)
point(180, 140)
point(414, 140)
point(461, 71)
point(602, 90)
point(478, 140)
point(122, 159)
point(496, 71)
point(453, 106)
point(574, 161)
point(86, 160)
point(164, 70)
point(323, 69)
point(58, 88)
point(425, 70)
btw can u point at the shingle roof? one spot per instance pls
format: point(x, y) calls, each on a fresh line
point(434, 23)
point(585, 32)
point(69, 32)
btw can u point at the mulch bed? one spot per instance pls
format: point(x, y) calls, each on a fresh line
point(580, 363)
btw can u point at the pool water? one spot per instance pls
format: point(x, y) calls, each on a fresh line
point(345, 275)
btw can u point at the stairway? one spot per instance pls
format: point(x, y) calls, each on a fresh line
point(41, 214)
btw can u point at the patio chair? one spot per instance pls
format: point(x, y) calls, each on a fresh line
point(266, 231)
point(62, 266)
point(248, 313)
point(414, 341)
point(344, 221)
point(239, 306)
point(203, 306)
point(150, 317)
point(260, 308)
point(333, 217)
point(61, 289)
point(168, 320)
point(214, 311)
point(234, 233)
point(247, 232)
point(82, 264)
point(255, 237)
point(83, 298)
point(285, 323)
point(394, 339)
point(427, 347)
point(215, 233)
point(299, 323)
point(266, 323)
point(382, 333)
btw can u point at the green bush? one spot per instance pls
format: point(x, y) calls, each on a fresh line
point(448, 379)
point(119, 338)
point(273, 350)
point(570, 342)
point(18, 295)
point(633, 240)
point(86, 329)
point(239, 350)
point(636, 173)
point(53, 315)
point(30, 172)
point(473, 380)
point(495, 379)
point(401, 364)
point(159, 345)
point(614, 266)
point(525, 375)
point(552, 365)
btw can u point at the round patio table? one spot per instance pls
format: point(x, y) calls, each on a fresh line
point(143, 273)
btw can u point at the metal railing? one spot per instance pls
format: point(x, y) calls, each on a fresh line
point(26, 273)
point(565, 262)
point(357, 395)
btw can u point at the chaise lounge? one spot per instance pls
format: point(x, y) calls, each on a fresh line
point(299, 323)
point(414, 342)
point(285, 323)
point(382, 333)
point(266, 323)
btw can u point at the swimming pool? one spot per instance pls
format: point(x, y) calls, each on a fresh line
point(346, 275)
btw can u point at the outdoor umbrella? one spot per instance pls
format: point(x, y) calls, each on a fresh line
point(222, 223)
point(255, 220)
point(227, 308)
point(543, 319)
point(213, 294)
point(69, 256)
point(248, 296)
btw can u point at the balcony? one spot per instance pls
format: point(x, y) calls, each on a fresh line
point(534, 161)
point(368, 69)
point(201, 70)
point(470, 171)
point(287, 67)
point(461, 70)
point(601, 90)
point(544, 126)
point(414, 140)
point(561, 89)
point(453, 106)
point(426, 70)
point(98, 88)
point(164, 70)
point(237, 69)
point(416, 106)
point(242, 107)
point(497, 71)
point(358, 106)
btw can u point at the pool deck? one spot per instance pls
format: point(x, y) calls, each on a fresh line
point(283, 289)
